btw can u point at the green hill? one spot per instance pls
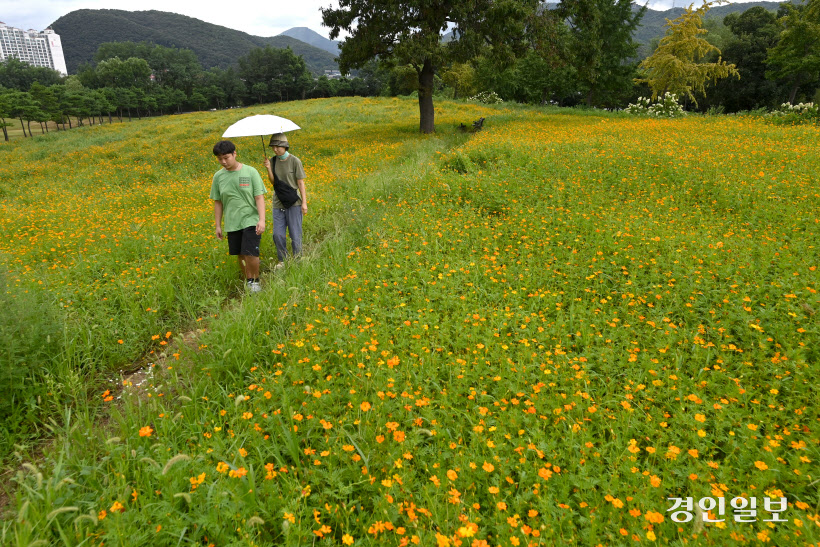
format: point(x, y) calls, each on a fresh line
point(82, 31)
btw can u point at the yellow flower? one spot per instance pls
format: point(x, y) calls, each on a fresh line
point(654, 516)
point(347, 539)
point(761, 465)
point(238, 473)
point(468, 531)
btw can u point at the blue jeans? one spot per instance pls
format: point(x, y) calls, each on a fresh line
point(287, 220)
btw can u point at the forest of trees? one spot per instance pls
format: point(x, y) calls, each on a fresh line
point(580, 53)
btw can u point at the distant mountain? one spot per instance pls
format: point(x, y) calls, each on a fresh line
point(82, 31)
point(315, 39)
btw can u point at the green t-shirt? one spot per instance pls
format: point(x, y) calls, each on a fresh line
point(237, 190)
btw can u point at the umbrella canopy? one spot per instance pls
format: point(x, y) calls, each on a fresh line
point(262, 124)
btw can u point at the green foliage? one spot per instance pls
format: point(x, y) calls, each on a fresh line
point(19, 75)
point(274, 75)
point(601, 47)
point(132, 71)
point(677, 65)
point(462, 78)
point(754, 33)
point(796, 57)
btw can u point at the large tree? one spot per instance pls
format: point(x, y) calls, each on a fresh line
point(754, 32)
point(115, 72)
point(678, 64)
point(410, 32)
point(601, 47)
point(796, 57)
point(6, 100)
point(274, 74)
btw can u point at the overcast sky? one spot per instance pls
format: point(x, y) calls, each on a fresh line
point(252, 16)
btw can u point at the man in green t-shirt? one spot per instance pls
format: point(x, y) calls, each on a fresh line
point(239, 198)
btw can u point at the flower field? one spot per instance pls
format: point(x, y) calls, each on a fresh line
point(534, 335)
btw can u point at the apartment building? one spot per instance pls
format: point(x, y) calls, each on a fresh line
point(33, 47)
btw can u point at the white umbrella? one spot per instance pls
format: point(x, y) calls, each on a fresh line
point(262, 124)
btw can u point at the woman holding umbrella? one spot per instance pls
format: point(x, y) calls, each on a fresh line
point(289, 203)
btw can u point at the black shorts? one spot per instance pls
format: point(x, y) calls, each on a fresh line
point(244, 242)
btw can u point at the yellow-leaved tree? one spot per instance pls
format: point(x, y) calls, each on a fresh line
point(677, 65)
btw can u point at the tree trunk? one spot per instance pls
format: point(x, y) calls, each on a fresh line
point(793, 93)
point(5, 132)
point(426, 112)
point(23, 127)
point(798, 81)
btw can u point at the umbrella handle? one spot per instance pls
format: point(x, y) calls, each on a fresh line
point(263, 146)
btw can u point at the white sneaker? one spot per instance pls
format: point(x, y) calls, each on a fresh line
point(254, 286)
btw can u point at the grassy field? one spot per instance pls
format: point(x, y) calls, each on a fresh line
point(533, 335)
